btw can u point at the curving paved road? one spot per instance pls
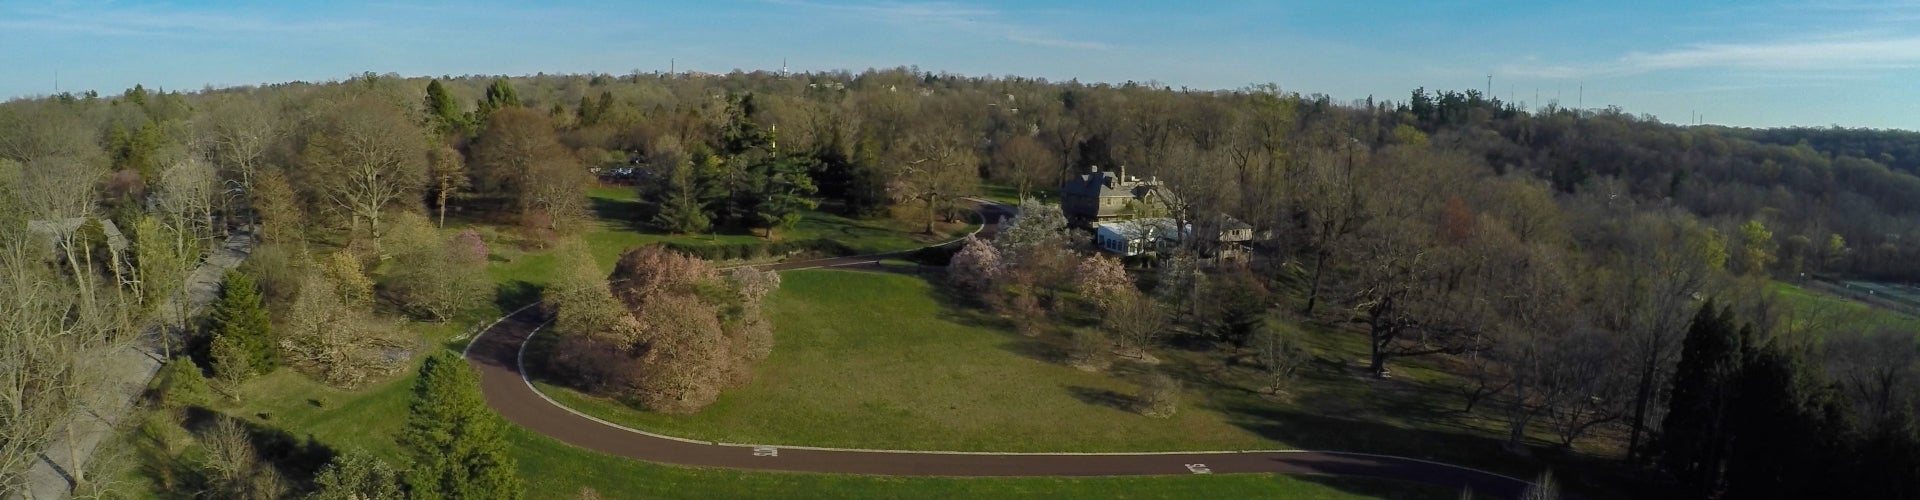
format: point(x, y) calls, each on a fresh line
point(496, 354)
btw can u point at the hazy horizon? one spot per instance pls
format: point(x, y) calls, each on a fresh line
point(1797, 63)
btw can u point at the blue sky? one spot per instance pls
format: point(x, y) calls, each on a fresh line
point(1853, 63)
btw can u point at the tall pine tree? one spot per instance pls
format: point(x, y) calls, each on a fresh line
point(1693, 441)
point(1791, 435)
point(457, 448)
point(785, 190)
point(242, 334)
point(682, 209)
point(442, 112)
point(500, 94)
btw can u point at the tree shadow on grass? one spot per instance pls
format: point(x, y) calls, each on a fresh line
point(299, 459)
point(1583, 475)
point(1104, 398)
point(632, 214)
point(1379, 488)
point(514, 295)
point(1035, 349)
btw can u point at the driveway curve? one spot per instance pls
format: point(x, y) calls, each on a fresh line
point(496, 353)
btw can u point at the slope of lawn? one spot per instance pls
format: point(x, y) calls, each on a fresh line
point(369, 419)
point(872, 360)
point(1816, 300)
point(884, 360)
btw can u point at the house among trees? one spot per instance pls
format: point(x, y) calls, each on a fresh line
point(1132, 237)
point(1096, 197)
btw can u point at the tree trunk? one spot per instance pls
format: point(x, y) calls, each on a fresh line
point(1517, 432)
point(1378, 355)
point(1313, 291)
point(443, 206)
point(931, 201)
point(1640, 399)
point(78, 474)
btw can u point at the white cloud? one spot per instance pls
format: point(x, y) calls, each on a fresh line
point(1846, 52)
point(976, 20)
point(104, 20)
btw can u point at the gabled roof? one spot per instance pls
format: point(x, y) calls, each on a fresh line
point(1100, 184)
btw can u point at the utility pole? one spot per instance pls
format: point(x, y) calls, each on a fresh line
point(1489, 86)
point(1583, 95)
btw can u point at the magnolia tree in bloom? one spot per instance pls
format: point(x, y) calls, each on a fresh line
point(976, 266)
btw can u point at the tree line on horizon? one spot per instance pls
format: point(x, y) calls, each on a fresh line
point(1561, 254)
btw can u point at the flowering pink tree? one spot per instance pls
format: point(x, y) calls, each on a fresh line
point(468, 246)
point(1101, 279)
point(976, 267)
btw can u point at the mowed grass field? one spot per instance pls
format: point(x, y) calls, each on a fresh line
point(881, 360)
point(368, 419)
point(873, 360)
point(1815, 302)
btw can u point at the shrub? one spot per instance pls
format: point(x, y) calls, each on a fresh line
point(181, 384)
point(1159, 396)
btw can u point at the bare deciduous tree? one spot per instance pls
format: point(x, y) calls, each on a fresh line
point(1137, 322)
point(935, 168)
point(367, 157)
point(239, 130)
point(340, 344)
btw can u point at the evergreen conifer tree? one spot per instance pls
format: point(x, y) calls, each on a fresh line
point(681, 209)
point(242, 334)
point(785, 190)
point(1693, 440)
point(457, 448)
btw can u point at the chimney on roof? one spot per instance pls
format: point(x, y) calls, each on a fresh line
point(1123, 173)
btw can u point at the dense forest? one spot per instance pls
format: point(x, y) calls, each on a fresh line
point(1572, 247)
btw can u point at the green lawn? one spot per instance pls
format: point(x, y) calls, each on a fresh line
point(563, 470)
point(870, 360)
point(1812, 302)
point(1011, 195)
point(369, 418)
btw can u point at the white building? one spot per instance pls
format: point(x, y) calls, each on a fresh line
point(1128, 238)
point(1132, 237)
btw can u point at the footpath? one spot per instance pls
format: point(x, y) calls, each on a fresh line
point(131, 369)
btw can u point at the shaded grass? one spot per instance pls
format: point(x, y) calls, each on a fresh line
point(563, 470)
